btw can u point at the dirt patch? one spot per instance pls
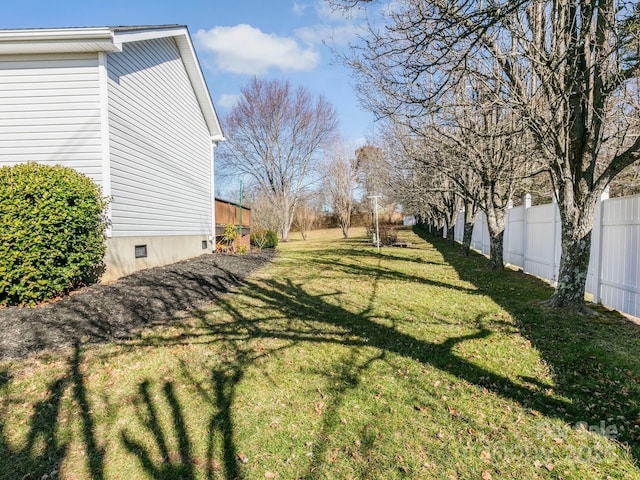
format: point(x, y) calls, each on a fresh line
point(101, 313)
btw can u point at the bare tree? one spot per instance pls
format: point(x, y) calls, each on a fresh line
point(490, 147)
point(339, 176)
point(372, 169)
point(275, 135)
point(263, 214)
point(415, 179)
point(305, 219)
point(568, 66)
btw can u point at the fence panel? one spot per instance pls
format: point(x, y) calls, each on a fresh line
point(539, 250)
point(514, 233)
point(532, 242)
point(458, 232)
point(620, 261)
point(480, 237)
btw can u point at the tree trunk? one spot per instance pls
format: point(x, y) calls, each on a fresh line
point(451, 234)
point(470, 215)
point(496, 218)
point(345, 228)
point(572, 277)
point(466, 238)
point(574, 258)
point(496, 247)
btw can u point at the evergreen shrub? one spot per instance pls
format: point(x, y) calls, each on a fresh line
point(264, 239)
point(51, 232)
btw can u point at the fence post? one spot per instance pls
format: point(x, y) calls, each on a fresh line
point(555, 267)
point(505, 241)
point(596, 245)
point(525, 231)
point(456, 229)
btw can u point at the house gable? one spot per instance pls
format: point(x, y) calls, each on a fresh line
point(160, 144)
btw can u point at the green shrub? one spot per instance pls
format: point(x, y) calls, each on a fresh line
point(51, 232)
point(264, 239)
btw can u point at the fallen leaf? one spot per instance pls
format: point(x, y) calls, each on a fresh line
point(269, 475)
point(486, 475)
point(549, 466)
point(421, 408)
point(485, 456)
point(535, 413)
point(243, 458)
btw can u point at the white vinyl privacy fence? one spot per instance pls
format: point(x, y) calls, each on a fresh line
point(532, 242)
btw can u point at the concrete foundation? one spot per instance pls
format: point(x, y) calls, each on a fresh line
point(120, 259)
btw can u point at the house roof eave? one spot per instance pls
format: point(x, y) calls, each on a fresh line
point(57, 40)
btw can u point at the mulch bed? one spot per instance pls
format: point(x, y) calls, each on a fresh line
point(102, 313)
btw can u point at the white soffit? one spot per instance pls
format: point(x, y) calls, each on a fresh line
point(57, 40)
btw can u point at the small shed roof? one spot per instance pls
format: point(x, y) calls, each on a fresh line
point(111, 39)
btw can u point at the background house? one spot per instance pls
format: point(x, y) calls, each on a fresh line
point(129, 107)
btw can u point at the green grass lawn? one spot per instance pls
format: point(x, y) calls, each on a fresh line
point(336, 362)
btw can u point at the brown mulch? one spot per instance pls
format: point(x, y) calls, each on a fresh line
point(102, 313)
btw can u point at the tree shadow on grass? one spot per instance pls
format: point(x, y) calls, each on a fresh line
point(31, 460)
point(161, 461)
point(594, 358)
point(102, 313)
point(293, 301)
point(318, 321)
point(296, 315)
point(43, 451)
point(168, 463)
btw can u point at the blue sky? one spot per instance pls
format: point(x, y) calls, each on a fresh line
point(282, 39)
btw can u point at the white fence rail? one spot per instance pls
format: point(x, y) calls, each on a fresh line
point(532, 242)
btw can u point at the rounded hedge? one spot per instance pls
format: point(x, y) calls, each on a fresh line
point(51, 232)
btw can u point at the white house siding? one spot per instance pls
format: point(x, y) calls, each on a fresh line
point(159, 143)
point(50, 111)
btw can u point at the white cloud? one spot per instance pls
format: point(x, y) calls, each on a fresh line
point(299, 8)
point(246, 50)
point(228, 100)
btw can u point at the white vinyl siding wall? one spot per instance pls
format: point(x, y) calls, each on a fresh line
point(160, 146)
point(50, 111)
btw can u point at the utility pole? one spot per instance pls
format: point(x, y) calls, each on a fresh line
point(375, 198)
point(240, 213)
